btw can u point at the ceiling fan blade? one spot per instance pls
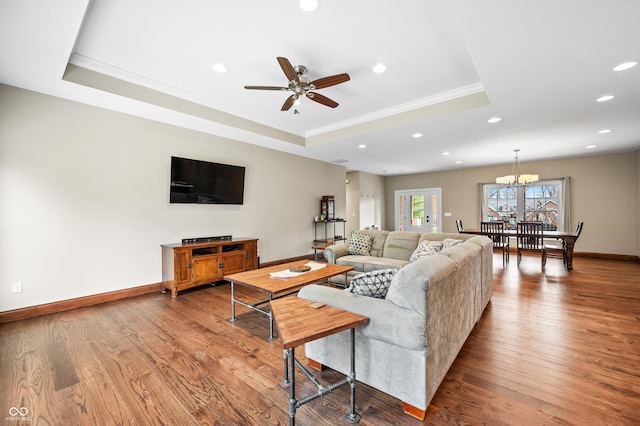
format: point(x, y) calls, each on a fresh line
point(288, 103)
point(321, 83)
point(322, 99)
point(288, 69)
point(265, 88)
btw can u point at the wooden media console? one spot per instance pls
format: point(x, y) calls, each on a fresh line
point(193, 264)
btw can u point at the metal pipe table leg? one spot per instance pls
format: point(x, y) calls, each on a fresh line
point(292, 387)
point(352, 416)
point(233, 304)
point(285, 382)
point(271, 337)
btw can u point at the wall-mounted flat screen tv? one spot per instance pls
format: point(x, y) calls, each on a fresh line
point(203, 182)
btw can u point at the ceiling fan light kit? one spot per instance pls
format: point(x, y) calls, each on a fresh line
point(300, 85)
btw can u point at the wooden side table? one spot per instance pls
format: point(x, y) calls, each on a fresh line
point(317, 247)
point(298, 322)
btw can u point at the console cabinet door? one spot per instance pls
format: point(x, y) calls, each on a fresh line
point(182, 266)
point(251, 254)
point(235, 261)
point(206, 267)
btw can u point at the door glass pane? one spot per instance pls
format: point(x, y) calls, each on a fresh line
point(434, 213)
point(400, 214)
point(417, 210)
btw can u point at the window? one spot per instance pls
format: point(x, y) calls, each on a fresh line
point(544, 202)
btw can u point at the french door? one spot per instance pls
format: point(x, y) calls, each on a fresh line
point(418, 210)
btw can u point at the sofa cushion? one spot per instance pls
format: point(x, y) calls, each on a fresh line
point(355, 261)
point(408, 287)
point(373, 284)
point(400, 245)
point(377, 263)
point(379, 238)
point(369, 263)
point(360, 244)
point(425, 248)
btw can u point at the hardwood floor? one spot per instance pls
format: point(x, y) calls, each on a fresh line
point(551, 348)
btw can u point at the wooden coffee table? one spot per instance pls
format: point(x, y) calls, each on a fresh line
point(298, 322)
point(261, 279)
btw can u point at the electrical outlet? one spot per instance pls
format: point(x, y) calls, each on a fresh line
point(16, 287)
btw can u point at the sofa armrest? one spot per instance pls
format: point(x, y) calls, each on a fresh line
point(332, 253)
point(387, 321)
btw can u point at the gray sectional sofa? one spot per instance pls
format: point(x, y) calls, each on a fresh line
point(415, 333)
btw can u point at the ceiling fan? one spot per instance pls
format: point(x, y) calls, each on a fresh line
point(300, 85)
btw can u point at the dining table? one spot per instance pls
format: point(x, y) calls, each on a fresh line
point(568, 239)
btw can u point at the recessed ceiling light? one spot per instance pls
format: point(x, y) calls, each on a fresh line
point(591, 146)
point(603, 131)
point(625, 66)
point(219, 67)
point(362, 146)
point(446, 153)
point(459, 162)
point(309, 5)
point(416, 135)
point(605, 98)
point(494, 120)
point(380, 68)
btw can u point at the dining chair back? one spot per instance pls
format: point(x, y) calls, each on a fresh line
point(495, 231)
point(459, 225)
point(559, 249)
point(579, 229)
point(530, 238)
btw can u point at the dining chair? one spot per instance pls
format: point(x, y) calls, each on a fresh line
point(495, 231)
point(558, 249)
point(530, 238)
point(459, 225)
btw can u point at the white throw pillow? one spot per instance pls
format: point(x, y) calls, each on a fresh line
point(450, 242)
point(425, 248)
point(373, 284)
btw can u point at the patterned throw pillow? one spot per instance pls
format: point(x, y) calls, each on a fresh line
point(425, 248)
point(373, 284)
point(360, 244)
point(450, 242)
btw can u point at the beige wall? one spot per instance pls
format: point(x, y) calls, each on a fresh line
point(85, 208)
point(605, 195)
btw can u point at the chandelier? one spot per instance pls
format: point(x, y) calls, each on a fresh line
point(517, 179)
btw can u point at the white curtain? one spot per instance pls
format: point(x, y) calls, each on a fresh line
point(483, 205)
point(566, 203)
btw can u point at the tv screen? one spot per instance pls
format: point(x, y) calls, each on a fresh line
point(203, 182)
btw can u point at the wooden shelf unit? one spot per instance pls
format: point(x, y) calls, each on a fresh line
point(328, 236)
point(190, 265)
